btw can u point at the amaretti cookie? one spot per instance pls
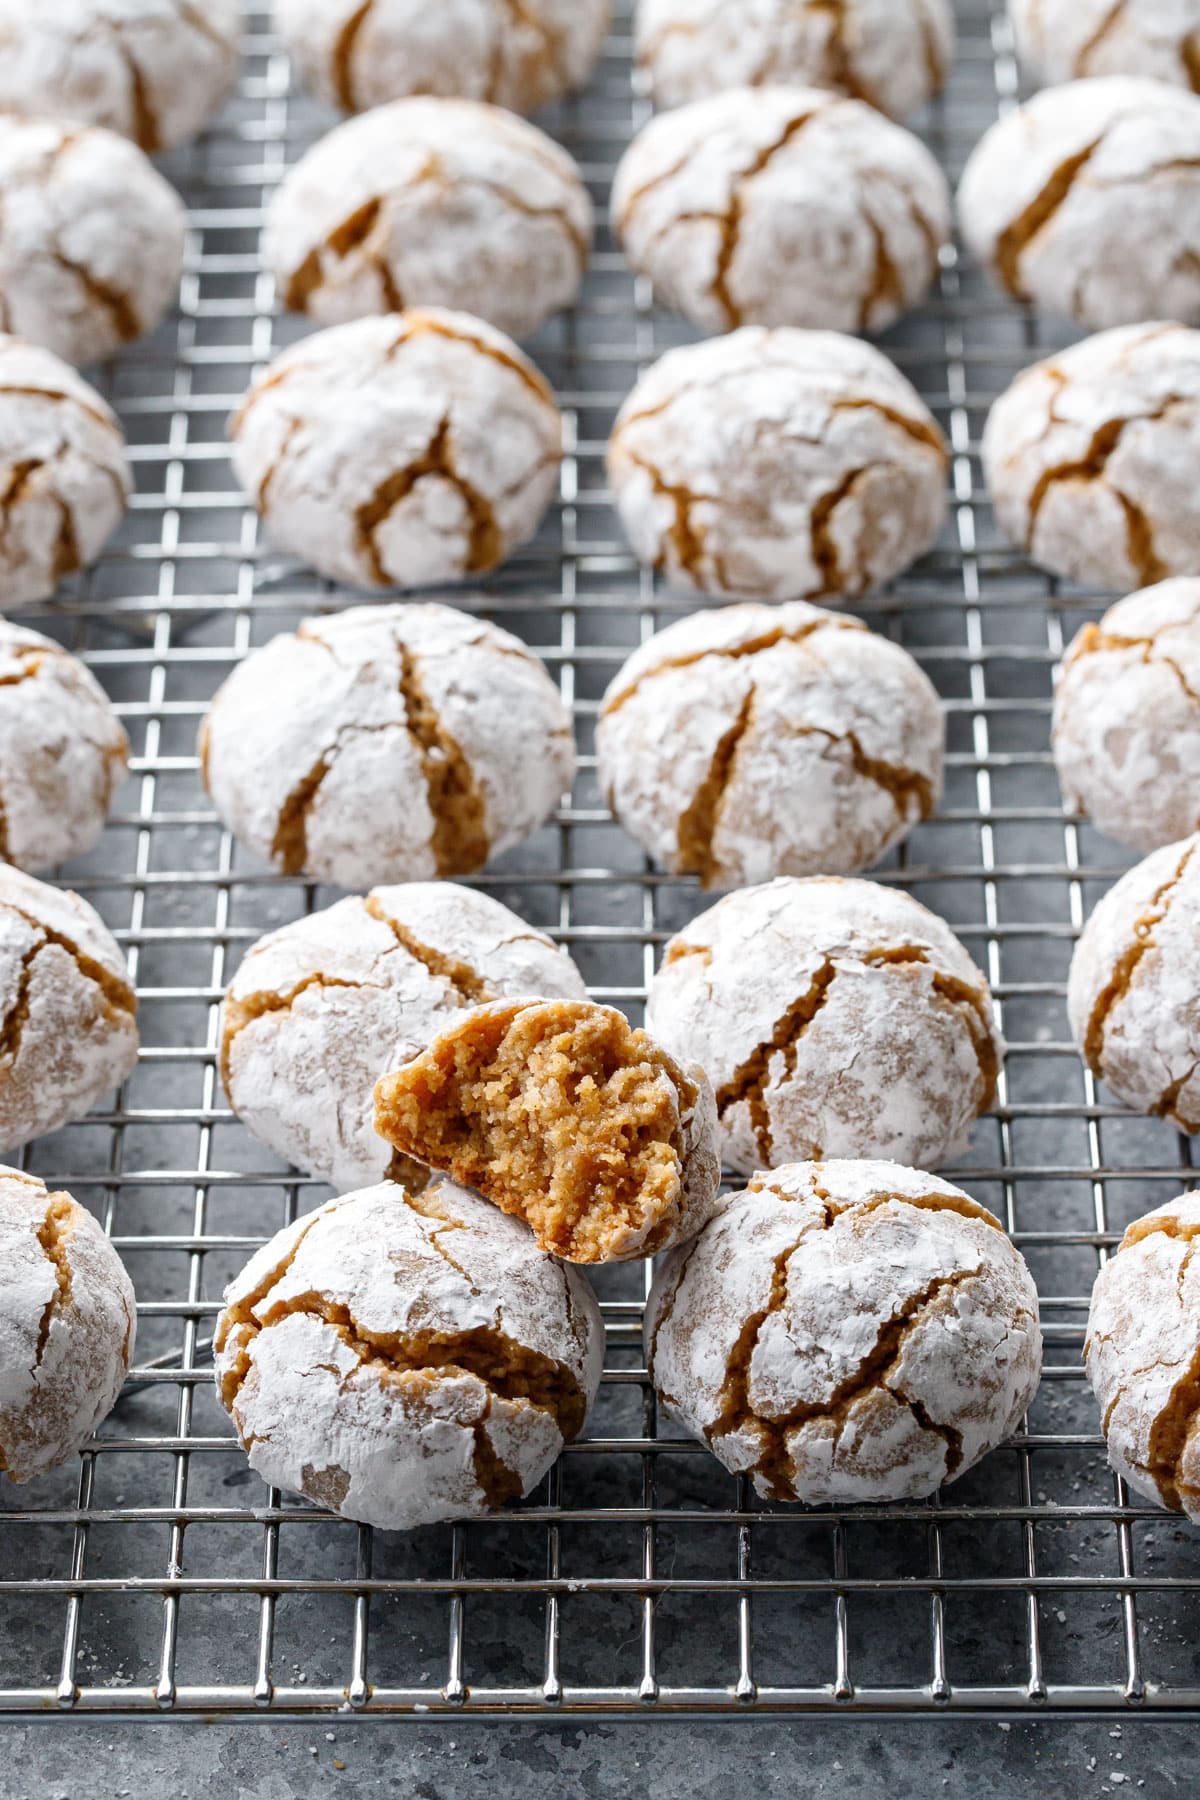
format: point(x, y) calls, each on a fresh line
point(834, 1018)
point(91, 238)
point(318, 1010)
point(522, 57)
point(1089, 458)
point(404, 1361)
point(431, 203)
point(154, 70)
point(1142, 1352)
point(778, 465)
point(782, 206)
point(558, 1111)
point(846, 1332)
point(63, 751)
point(895, 54)
point(1086, 202)
point(64, 478)
point(400, 451)
point(756, 741)
point(1134, 995)
point(1127, 717)
point(1068, 40)
point(69, 1031)
point(67, 1326)
point(387, 743)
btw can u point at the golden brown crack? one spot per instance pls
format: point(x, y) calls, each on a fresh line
point(842, 72)
point(678, 950)
point(1189, 55)
point(931, 51)
point(936, 1201)
point(1167, 1104)
point(970, 1002)
point(426, 1202)
point(341, 61)
point(698, 825)
point(1160, 1225)
point(667, 1306)
point(749, 1082)
point(118, 1000)
point(1094, 639)
point(289, 846)
point(239, 1318)
point(886, 289)
point(751, 646)
point(419, 324)
point(460, 840)
point(108, 299)
point(53, 1234)
point(1092, 466)
point(685, 538)
point(1020, 232)
point(1126, 965)
point(1170, 1432)
point(468, 984)
point(66, 549)
point(485, 541)
point(729, 224)
point(238, 1013)
point(825, 553)
point(353, 232)
point(1095, 42)
point(57, 398)
point(921, 431)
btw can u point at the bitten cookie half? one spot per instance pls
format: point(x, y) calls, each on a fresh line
point(404, 1361)
point(67, 1326)
point(845, 1332)
point(558, 1111)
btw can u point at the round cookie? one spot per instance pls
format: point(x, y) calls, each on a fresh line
point(1068, 40)
point(778, 465)
point(400, 451)
point(559, 1112)
point(64, 479)
point(834, 1018)
point(894, 54)
point(1089, 458)
point(756, 741)
point(67, 1326)
point(91, 238)
point(1133, 995)
point(519, 56)
point(1086, 202)
point(1127, 717)
point(845, 1332)
point(155, 70)
point(782, 206)
point(387, 743)
point(431, 203)
point(63, 752)
point(319, 1009)
point(1141, 1352)
point(69, 1031)
point(404, 1361)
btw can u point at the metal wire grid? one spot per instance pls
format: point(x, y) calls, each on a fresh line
point(158, 1574)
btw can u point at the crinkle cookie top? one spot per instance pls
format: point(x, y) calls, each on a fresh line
point(432, 202)
point(522, 56)
point(387, 743)
point(1089, 458)
point(1142, 1352)
point(778, 465)
point(1086, 202)
point(895, 54)
point(847, 1331)
point(404, 1360)
point(64, 480)
point(400, 451)
point(1132, 992)
point(1068, 40)
point(834, 1018)
point(69, 1034)
point(755, 741)
point(63, 752)
point(91, 238)
point(67, 1326)
point(1127, 717)
point(782, 206)
point(320, 1009)
point(154, 70)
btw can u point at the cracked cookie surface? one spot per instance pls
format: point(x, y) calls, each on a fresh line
point(91, 238)
point(67, 1326)
point(400, 743)
point(1127, 717)
point(1089, 457)
point(782, 206)
point(1132, 990)
point(400, 451)
point(894, 54)
point(154, 70)
point(521, 54)
point(758, 741)
point(432, 203)
point(846, 1332)
point(318, 1010)
point(403, 1360)
point(778, 465)
point(559, 1112)
point(835, 1019)
point(1069, 40)
point(1085, 202)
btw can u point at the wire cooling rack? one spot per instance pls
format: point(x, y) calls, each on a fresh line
point(158, 1574)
